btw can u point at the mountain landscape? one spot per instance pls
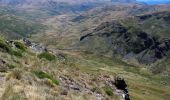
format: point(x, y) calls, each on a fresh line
point(84, 50)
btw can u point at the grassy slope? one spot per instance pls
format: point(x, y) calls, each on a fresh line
point(12, 26)
point(154, 25)
point(20, 80)
point(65, 30)
point(142, 85)
point(16, 23)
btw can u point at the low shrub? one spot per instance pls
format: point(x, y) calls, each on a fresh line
point(17, 53)
point(20, 45)
point(108, 91)
point(55, 81)
point(43, 75)
point(11, 66)
point(4, 46)
point(47, 56)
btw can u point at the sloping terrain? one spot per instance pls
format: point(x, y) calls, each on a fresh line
point(145, 38)
point(14, 27)
point(48, 8)
point(26, 74)
point(116, 30)
point(136, 33)
point(65, 30)
point(84, 50)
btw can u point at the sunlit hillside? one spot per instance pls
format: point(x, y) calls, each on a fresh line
point(84, 50)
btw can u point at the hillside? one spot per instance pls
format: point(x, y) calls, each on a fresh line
point(84, 50)
point(14, 27)
point(143, 38)
point(65, 30)
point(32, 2)
point(115, 31)
point(48, 8)
point(32, 73)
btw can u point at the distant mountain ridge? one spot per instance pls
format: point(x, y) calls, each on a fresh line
point(47, 1)
point(126, 1)
point(30, 2)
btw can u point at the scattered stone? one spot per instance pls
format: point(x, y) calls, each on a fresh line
point(75, 87)
point(27, 42)
point(3, 66)
point(2, 61)
point(64, 92)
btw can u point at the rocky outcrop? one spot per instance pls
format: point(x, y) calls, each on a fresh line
point(35, 47)
point(158, 15)
point(144, 47)
point(121, 85)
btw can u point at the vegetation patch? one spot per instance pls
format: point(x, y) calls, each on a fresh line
point(47, 56)
point(15, 74)
point(11, 94)
point(11, 66)
point(96, 89)
point(15, 27)
point(4, 46)
point(20, 45)
point(17, 53)
point(108, 91)
point(43, 75)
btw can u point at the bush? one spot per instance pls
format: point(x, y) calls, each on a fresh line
point(11, 66)
point(55, 81)
point(47, 56)
point(17, 53)
point(43, 75)
point(20, 45)
point(109, 91)
point(4, 46)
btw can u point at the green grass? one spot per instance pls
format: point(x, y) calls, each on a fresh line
point(47, 56)
point(139, 81)
point(108, 91)
point(4, 46)
point(11, 66)
point(17, 53)
point(15, 27)
point(141, 84)
point(20, 45)
point(43, 75)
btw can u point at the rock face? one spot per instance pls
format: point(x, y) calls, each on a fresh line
point(35, 47)
point(128, 42)
point(121, 85)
